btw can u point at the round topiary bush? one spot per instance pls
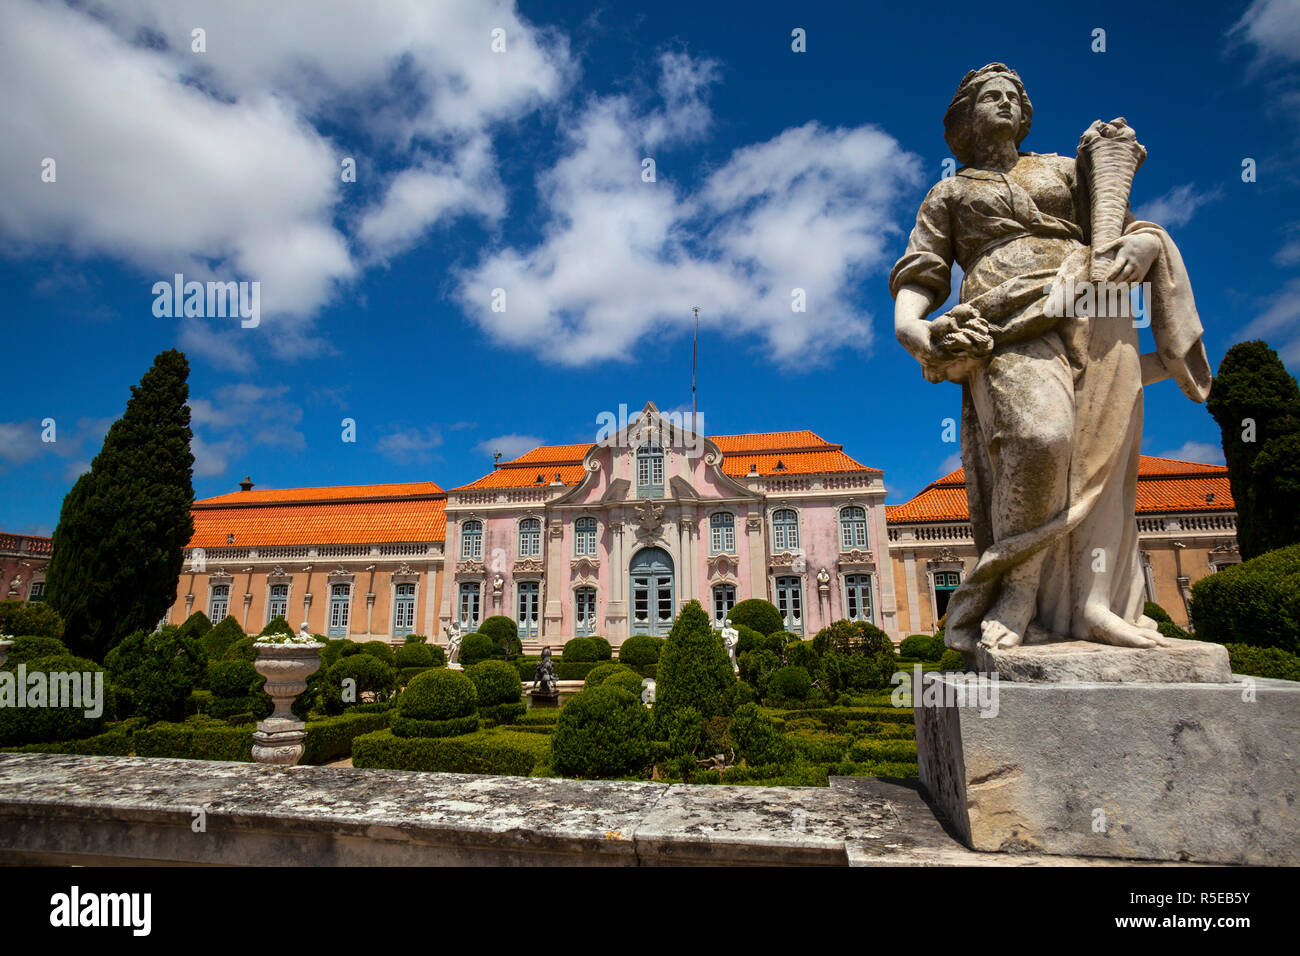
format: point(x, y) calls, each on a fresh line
point(580, 649)
point(30, 648)
point(48, 724)
point(500, 692)
point(474, 648)
point(437, 703)
point(414, 655)
point(159, 669)
point(415, 639)
point(1256, 602)
point(790, 683)
point(749, 639)
point(504, 634)
point(628, 679)
point(604, 650)
point(914, 645)
point(602, 732)
point(496, 682)
point(370, 676)
point(381, 650)
point(952, 660)
point(602, 672)
point(761, 615)
point(232, 678)
point(640, 651)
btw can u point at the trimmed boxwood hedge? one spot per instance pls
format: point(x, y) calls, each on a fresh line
point(21, 725)
point(199, 738)
point(574, 670)
point(451, 727)
point(30, 647)
point(488, 751)
point(413, 655)
point(504, 634)
point(640, 651)
point(581, 650)
point(1263, 662)
point(1256, 602)
point(506, 713)
point(495, 682)
point(331, 738)
point(603, 732)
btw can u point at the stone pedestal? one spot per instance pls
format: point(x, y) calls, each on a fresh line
point(1195, 662)
point(1177, 771)
point(286, 667)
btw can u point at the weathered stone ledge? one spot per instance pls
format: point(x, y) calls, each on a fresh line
point(58, 808)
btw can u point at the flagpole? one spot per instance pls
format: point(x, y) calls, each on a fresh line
point(695, 346)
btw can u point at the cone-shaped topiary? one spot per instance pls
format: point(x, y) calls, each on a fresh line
point(216, 642)
point(119, 544)
point(694, 669)
point(277, 625)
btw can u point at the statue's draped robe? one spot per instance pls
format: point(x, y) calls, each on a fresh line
point(1053, 387)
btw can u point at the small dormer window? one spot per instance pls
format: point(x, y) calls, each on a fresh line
point(541, 480)
point(780, 466)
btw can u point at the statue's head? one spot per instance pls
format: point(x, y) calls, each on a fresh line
point(546, 653)
point(990, 104)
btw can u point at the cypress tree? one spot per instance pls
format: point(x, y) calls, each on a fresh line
point(1256, 403)
point(119, 544)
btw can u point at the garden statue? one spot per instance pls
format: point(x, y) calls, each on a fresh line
point(731, 638)
point(648, 691)
point(1044, 343)
point(544, 682)
point(303, 633)
point(452, 632)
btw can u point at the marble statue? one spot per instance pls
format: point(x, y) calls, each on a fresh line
point(452, 633)
point(544, 682)
point(304, 634)
point(823, 580)
point(648, 691)
point(1045, 346)
point(731, 638)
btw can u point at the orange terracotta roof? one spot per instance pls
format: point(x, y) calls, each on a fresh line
point(361, 522)
point(799, 452)
point(334, 492)
point(1164, 485)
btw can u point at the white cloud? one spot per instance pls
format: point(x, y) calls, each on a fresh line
point(409, 445)
point(510, 446)
point(1279, 323)
point(1176, 207)
point(1273, 26)
point(950, 464)
point(19, 442)
point(621, 259)
point(1195, 451)
point(238, 418)
point(213, 164)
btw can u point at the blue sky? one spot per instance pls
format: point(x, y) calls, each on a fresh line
point(522, 170)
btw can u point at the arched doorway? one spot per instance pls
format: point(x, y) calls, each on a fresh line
point(653, 600)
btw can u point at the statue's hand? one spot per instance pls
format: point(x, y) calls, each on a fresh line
point(1134, 255)
point(961, 333)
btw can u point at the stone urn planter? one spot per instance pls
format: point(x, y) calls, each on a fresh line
point(286, 667)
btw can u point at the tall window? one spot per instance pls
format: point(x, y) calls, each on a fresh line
point(857, 597)
point(529, 607)
point(530, 538)
point(584, 538)
point(853, 527)
point(471, 540)
point(340, 610)
point(789, 602)
point(650, 471)
point(403, 610)
point(945, 582)
point(584, 607)
point(219, 605)
point(785, 530)
point(469, 606)
point(277, 602)
point(724, 599)
point(722, 538)
point(37, 593)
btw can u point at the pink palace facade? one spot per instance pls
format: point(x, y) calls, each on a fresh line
point(612, 538)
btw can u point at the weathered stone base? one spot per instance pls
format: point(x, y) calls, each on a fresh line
point(1180, 662)
point(1195, 772)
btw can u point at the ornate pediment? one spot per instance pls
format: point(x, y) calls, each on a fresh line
point(857, 559)
point(723, 565)
point(945, 558)
point(528, 566)
point(585, 567)
point(789, 561)
point(471, 567)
